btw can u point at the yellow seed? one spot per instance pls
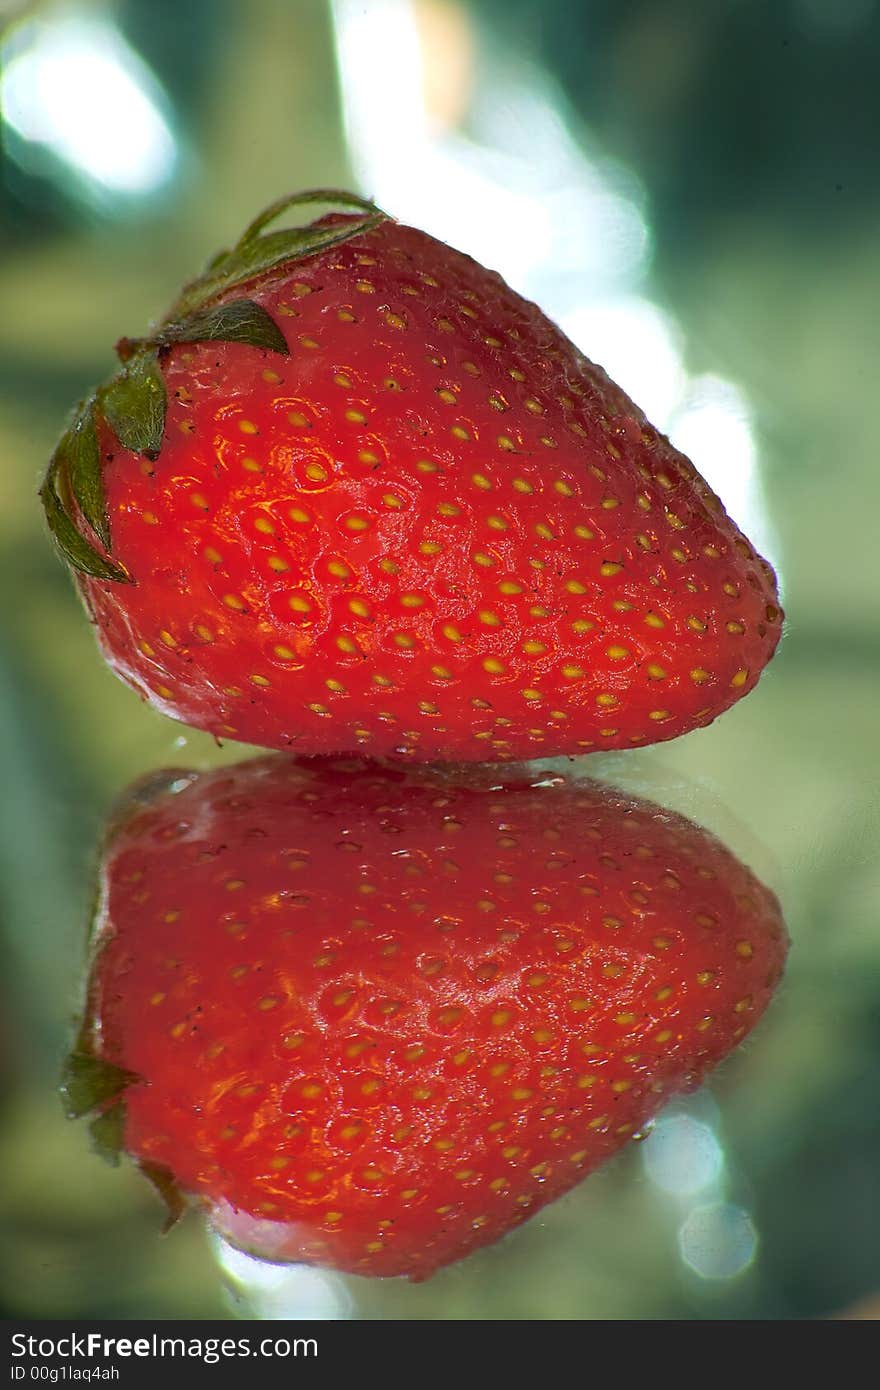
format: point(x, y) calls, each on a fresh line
point(739, 679)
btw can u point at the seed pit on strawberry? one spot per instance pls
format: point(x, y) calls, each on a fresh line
point(374, 1018)
point(318, 419)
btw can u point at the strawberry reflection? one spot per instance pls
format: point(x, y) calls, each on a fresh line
point(373, 1017)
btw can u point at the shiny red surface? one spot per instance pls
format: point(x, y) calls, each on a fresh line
point(382, 1016)
point(434, 530)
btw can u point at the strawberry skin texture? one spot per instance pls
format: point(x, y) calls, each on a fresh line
point(434, 531)
point(383, 1015)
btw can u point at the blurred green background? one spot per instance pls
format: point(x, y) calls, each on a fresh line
point(690, 187)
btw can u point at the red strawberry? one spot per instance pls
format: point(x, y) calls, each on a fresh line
point(374, 1018)
point(387, 505)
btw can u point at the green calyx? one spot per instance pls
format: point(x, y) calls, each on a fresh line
point(88, 1083)
point(92, 1086)
point(133, 403)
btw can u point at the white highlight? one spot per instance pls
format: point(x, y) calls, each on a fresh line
point(75, 86)
point(528, 203)
point(682, 1156)
point(522, 195)
point(278, 1292)
point(638, 345)
point(718, 1241)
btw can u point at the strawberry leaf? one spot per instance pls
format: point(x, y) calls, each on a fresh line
point(173, 1199)
point(134, 404)
point(108, 1132)
point(88, 1082)
point(256, 252)
point(81, 458)
point(292, 200)
point(74, 547)
point(239, 321)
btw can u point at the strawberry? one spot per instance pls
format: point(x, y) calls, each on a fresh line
point(373, 1017)
point(355, 493)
